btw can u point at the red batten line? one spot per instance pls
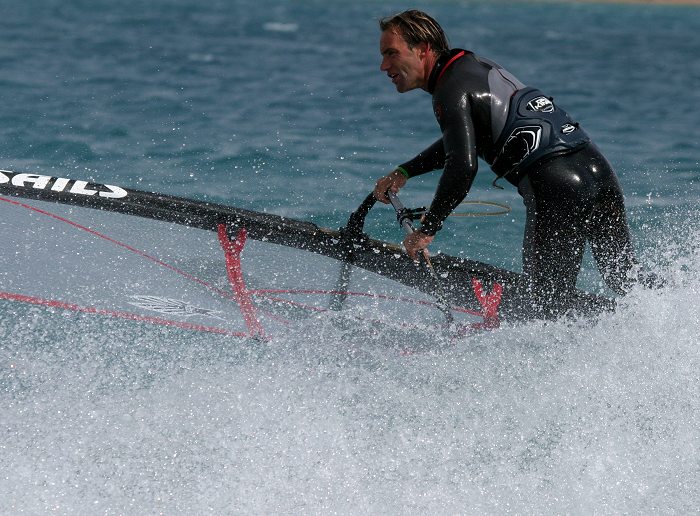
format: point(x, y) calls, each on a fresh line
point(120, 244)
point(232, 253)
point(52, 303)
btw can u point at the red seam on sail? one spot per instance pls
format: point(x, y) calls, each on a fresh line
point(52, 303)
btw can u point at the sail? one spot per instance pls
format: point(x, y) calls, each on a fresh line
point(115, 252)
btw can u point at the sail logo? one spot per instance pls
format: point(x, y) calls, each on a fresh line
point(169, 306)
point(61, 184)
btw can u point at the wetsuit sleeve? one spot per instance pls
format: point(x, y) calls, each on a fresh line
point(430, 159)
point(461, 162)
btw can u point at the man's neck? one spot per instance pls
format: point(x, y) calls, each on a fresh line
point(429, 64)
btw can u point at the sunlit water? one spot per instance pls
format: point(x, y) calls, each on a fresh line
point(282, 108)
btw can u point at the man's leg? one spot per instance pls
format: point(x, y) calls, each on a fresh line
point(553, 247)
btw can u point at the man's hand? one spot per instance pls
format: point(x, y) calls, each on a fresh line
point(417, 242)
point(392, 182)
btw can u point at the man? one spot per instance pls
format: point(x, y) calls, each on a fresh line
point(570, 191)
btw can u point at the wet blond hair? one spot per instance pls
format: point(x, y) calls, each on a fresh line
point(417, 27)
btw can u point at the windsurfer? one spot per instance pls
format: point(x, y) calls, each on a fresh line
point(570, 191)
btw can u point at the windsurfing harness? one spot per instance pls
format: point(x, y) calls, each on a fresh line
point(535, 128)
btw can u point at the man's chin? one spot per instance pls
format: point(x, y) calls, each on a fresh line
point(403, 88)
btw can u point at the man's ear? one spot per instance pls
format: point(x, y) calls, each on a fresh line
point(423, 49)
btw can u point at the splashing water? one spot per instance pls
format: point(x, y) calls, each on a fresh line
point(566, 416)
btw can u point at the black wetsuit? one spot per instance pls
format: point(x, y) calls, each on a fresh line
point(570, 191)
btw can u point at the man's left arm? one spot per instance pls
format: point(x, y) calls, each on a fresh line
point(461, 164)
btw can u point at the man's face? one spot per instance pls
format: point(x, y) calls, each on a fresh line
point(404, 66)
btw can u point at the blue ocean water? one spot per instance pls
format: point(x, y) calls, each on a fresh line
point(281, 107)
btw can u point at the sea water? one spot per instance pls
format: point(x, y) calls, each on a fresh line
point(281, 107)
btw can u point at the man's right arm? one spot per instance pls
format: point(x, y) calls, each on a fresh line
point(430, 159)
point(393, 181)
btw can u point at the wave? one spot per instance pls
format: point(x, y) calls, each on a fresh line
point(564, 416)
